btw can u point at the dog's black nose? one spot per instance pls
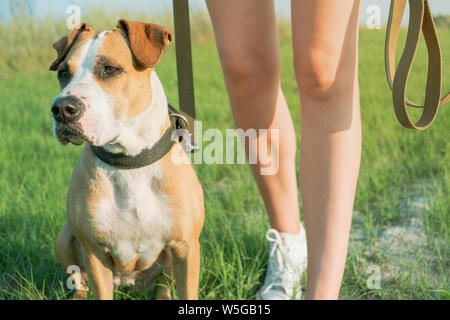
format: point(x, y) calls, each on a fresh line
point(67, 109)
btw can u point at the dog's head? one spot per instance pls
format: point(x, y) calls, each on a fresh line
point(105, 79)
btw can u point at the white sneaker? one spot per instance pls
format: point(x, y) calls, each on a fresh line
point(287, 262)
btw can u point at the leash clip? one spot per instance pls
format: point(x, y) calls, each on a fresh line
point(183, 135)
point(185, 138)
point(188, 145)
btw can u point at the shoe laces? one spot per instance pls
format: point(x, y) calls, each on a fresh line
point(285, 271)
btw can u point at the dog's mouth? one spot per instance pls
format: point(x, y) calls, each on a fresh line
point(67, 134)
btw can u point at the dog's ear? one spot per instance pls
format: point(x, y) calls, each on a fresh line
point(147, 41)
point(63, 45)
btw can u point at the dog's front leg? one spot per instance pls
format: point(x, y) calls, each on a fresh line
point(100, 277)
point(187, 269)
point(67, 248)
point(163, 291)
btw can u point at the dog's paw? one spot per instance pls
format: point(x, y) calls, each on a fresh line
point(80, 295)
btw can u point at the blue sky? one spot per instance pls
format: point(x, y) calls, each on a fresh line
point(155, 7)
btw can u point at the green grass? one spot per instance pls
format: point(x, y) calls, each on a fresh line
point(35, 172)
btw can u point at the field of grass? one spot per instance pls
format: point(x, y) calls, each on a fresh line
point(400, 169)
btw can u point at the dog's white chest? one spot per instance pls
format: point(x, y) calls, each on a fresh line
point(134, 221)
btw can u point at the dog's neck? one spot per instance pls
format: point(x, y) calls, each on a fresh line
point(144, 130)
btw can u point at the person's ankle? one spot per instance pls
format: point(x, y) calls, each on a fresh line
point(290, 229)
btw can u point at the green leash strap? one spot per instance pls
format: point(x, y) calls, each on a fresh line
point(420, 19)
point(184, 60)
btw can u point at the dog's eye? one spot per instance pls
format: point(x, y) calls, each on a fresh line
point(109, 70)
point(64, 75)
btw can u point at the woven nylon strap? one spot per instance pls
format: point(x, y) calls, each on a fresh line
point(420, 19)
point(184, 60)
point(147, 156)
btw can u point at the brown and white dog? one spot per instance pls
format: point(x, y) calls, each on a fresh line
point(121, 222)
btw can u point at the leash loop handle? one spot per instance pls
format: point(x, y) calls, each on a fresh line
point(420, 19)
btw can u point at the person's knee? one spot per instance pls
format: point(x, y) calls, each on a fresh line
point(250, 69)
point(317, 74)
